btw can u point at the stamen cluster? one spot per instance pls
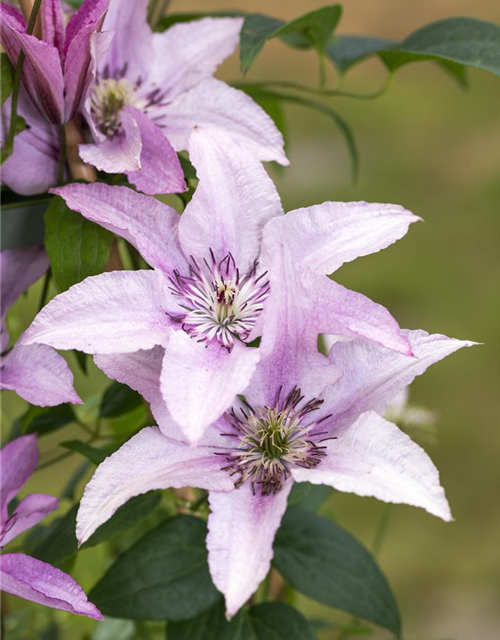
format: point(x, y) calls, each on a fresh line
point(220, 304)
point(107, 99)
point(272, 440)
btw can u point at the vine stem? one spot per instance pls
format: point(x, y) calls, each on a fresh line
point(320, 92)
point(9, 142)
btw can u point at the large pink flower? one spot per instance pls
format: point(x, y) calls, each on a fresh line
point(21, 575)
point(215, 284)
point(303, 417)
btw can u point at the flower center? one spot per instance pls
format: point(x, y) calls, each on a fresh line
point(271, 441)
point(107, 99)
point(220, 304)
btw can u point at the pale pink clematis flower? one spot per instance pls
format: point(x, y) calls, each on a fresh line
point(298, 421)
point(21, 575)
point(214, 276)
point(152, 89)
point(36, 373)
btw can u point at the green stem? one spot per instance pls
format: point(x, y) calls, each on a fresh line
point(319, 92)
point(45, 290)
point(322, 72)
point(55, 460)
point(381, 530)
point(62, 155)
point(9, 142)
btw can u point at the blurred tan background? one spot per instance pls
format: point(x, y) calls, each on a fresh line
point(434, 148)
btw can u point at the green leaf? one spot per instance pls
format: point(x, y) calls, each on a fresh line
point(129, 514)
point(77, 248)
point(211, 625)
point(69, 491)
point(268, 621)
point(313, 29)
point(462, 41)
point(6, 77)
point(320, 559)
point(91, 453)
point(163, 576)
point(118, 400)
point(310, 497)
point(346, 51)
point(170, 19)
point(59, 539)
point(44, 420)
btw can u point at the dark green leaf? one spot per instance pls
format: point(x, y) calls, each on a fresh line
point(326, 563)
point(91, 453)
point(308, 496)
point(346, 51)
point(131, 513)
point(173, 18)
point(163, 576)
point(268, 621)
point(77, 248)
point(6, 77)
point(211, 625)
point(82, 361)
point(313, 29)
point(43, 420)
point(59, 539)
point(118, 400)
point(463, 41)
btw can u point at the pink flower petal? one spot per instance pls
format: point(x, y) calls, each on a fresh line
point(374, 458)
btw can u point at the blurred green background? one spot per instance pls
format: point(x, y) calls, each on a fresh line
point(434, 148)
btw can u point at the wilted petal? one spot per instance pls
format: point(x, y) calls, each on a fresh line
point(189, 52)
point(241, 530)
point(200, 382)
point(373, 376)
point(148, 224)
point(375, 458)
point(18, 460)
point(113, 312)
point(234, 194)
point(131, 49)
point(120, 153)
point(160, 170)
point(39, 375)
point(325, 236)
point(350, 314)
point(27, 514)
point(215, 105)
point(147, 461)
point(40, 582)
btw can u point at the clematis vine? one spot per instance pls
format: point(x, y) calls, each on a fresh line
point(21, 575)
point(303, 417)
point(57, 71)
point(151, 89)
point(36, 373)
point(214, 277)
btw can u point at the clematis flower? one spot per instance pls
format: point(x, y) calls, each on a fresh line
point(36, 373)
point(151, 89)
point(57, 68)
point(21, 575)
point(298, 421)
point(213, 277)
